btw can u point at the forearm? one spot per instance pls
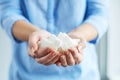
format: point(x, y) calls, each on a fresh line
point(87, 31)
point(21, 30)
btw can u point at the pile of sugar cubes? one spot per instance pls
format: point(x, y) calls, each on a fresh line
point(61, 42)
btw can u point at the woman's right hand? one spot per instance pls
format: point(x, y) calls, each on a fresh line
point(46, 56)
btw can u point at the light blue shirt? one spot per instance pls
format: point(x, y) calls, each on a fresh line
point(54, 16)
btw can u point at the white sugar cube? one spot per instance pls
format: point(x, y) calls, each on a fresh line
point(67, 42)
point(62, 41)
point(52, 42)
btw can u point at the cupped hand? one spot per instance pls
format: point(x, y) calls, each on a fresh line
point(73, 55)
point(46, 56)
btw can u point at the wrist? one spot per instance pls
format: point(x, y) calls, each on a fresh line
point(32, 30)
point(75, 35)
point(39, 33)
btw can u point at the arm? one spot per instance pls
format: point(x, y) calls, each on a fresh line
point(19, 29)
point(86, 31)
point(28, 32)
point(95, 23)
point(94, 26)
point(10, 13)
point(22, 30)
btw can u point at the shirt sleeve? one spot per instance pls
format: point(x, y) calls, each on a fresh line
point(96, 15)
point(10, 12)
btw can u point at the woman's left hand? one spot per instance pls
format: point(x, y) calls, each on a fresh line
point(74, 55)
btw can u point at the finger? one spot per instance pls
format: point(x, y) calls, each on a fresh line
point(70, 59)
point(43, 52)
point(80, 54)
point(33, 41)
point(53, 60)
point(79, 48)
point(31, 53)
point(32, 48)
point(82, 43)
point(58, 63)
point(80, 58)
point(46, 59)
point(75, 55)
point(63, 61)
point(33, 44)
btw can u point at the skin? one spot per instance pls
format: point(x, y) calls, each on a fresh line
point(85, 33)
point(27, 32)
point(73, 55)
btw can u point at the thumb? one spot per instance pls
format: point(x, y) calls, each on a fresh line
point(33, 46)
point(82, 43)
point(33, 43)
point(31, 49)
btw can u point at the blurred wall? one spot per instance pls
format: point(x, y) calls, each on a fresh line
point(113, 66)
point(102, 56)
point(5, 55)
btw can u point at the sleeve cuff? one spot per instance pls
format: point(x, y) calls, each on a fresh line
point(8, 23)
point(100, 24)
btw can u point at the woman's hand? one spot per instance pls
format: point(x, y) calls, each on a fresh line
point(73, 55)
point(46, 56)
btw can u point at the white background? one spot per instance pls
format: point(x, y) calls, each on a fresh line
point(113, 66)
